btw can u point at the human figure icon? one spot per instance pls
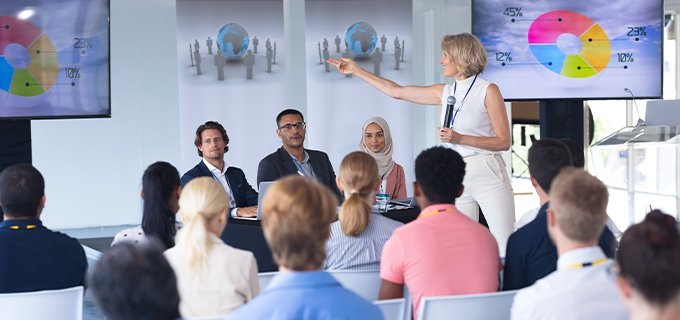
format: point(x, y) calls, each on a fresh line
point(396, 44)
point(274, 60)
point(320, 56)
point(191, 55)
point(249, 61)
point(403, 47)
point(397, 56)
point(326, 56)
point(256, 41)
point(219, 62)
point(347, 55)
point(383, 41)
point(209, 44)
point(197, 58)
point(196, 46)
point(325, 43)
point(337, 43)
point(268, 44)
point(270, 58)
point(377, 59)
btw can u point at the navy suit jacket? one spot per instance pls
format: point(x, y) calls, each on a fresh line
point(531, 254)
point(243, 193)
point(280, 164)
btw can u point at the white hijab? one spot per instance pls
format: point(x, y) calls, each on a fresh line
point(384, 157)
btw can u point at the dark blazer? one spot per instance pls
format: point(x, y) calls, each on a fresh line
point(279, 164)
point(531, 255)
point(243, 193)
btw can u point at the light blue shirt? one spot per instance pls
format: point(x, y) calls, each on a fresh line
point(307, 295)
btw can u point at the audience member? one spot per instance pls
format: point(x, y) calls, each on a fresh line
point(212, 142)
point(648, 268)
point(160, 192)
point(358, 237)
point(443, 252)
point(33, 257)
point(583, 286)
point(135, 282)
point(213, 278)
point(292, 158)
point(530, 254)
point(297, 216)
point(376, 140)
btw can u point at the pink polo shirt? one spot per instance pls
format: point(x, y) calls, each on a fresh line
point(441, 253)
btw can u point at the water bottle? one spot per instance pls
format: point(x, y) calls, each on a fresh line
point(381, 200)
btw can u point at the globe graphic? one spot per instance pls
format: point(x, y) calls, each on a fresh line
point(233, 41)
point(361, 39)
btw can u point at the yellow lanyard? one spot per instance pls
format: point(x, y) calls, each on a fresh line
point(587, 264)
point(432, 212)
point(28, 227)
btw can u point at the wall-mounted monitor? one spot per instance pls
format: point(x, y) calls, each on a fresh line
point(54, 59)
point(551, 49)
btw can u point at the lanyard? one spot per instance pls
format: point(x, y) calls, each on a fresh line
point(587, 264)
point(455, 87)
point(301, 169)
point(28, 227)
point(433, 212)
point(232, 201)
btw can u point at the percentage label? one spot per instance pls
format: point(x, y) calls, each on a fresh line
point(637, 31)
point(72, 73)
point(513, 12)
point(82, 43)
point(503, 56)
point(625, 57)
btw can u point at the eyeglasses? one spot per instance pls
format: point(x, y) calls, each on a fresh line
point(288, 127)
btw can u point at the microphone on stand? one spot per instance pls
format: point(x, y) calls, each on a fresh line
point(640, 122)
point(448, 116)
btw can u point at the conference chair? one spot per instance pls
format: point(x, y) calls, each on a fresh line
point(265, 277)
point(364, 283)
point(392, 309)
point(484, 306)
point(66, 304)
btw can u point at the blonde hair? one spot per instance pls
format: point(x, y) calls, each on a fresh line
point(466, 52)
point(297, 213)
point(358, 178)
point(202, 200)
point(579, 202)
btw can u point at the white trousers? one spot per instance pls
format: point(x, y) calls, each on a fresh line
point(487, 185)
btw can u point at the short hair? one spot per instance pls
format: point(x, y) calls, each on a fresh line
point(440, 172)
point(135, 282)
point(359, 178)
point(297, 213)
point(210, 125)
point(579, 202)
point(546, 158)
point(576, 152)
point(21, 190)
point(159, 182)
point(649, 256)
point(466, 52)
point(285, 113)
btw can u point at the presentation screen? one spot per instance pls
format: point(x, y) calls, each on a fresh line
point(597, 49)
point(54, 59)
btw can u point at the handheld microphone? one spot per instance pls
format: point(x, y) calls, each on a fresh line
point(448, 116)
point(640, 122)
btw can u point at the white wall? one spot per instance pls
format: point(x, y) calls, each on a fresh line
point(93, 167)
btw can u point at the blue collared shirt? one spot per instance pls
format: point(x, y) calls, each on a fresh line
point(307, 295)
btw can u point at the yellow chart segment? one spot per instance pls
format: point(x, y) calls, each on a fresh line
point(44, 62)
point(596, 48)
point(576, 67)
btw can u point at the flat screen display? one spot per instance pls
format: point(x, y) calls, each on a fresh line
point(54, 59)
point(592, 49)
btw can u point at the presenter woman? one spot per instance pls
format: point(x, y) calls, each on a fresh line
point(479, 130)
point(376, 140)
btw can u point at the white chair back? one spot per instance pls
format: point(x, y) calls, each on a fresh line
point(392, 309)
point(364, 283)
point(265, 277)
point(495, 306)
point(63, 304)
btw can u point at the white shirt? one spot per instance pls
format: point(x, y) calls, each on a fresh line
point(472, 118)
point(531, 215)
point(222, 179)
point(135, 234)
point(573, 292)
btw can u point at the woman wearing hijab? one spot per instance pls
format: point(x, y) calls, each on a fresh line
point(377, 141)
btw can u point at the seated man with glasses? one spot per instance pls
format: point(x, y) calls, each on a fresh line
point(292, 157)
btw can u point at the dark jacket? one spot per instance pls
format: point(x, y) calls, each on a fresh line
point(243, 193)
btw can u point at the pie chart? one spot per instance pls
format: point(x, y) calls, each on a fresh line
point(569, 44)
point(28, 60)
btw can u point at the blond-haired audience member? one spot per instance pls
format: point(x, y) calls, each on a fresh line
point(358, 237)
point(649, 268)
point(376, 140)
point(213, 278)
point(583, 285)
point(297, 217)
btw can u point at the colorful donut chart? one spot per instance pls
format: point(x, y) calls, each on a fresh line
point(595, 51)
point(28, 60)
